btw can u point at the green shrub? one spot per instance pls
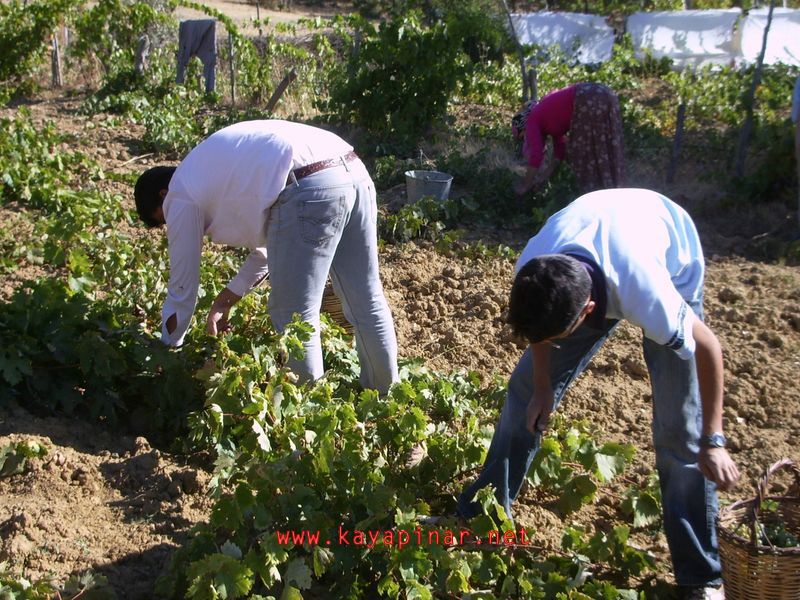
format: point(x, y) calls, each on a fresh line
point(397, 83)
point(109, 30)
point(25, 29)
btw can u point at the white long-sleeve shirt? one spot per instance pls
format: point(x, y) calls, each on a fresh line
point(647, 248)
point(223, 189)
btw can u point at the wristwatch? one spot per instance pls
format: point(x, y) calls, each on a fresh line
point(713, 440)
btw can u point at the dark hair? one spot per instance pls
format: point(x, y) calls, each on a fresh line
point(548, 294)
point(147, 192)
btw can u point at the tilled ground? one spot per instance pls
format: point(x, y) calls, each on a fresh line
point(118, 507)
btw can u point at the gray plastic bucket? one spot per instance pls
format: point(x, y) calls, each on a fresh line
point(427, 183)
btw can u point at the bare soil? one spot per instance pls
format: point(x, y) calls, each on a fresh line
point(118, 507)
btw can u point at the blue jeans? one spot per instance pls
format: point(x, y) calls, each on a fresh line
point(689, 500)
point(327, 224)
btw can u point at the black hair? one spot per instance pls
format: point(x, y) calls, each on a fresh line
point(547, 296)
point(147, 192)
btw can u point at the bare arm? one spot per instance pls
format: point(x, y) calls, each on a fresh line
point(715, 463)
point(534, 177)
point(252, 272)
point(217, 321)
point(528, 181)
point(541, 403)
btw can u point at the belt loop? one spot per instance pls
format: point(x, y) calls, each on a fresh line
point(344, 162)
point(293, 177)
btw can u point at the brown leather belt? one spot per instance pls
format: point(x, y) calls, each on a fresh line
point(316, 167)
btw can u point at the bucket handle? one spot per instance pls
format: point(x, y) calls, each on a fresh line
point(763, 488)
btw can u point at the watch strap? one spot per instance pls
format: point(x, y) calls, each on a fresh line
point(713, 440)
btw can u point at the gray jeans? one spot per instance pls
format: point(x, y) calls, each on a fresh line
point(326, 223)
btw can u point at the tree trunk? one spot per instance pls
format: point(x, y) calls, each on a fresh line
point(676, 142)
point(55, 60)
point(744, 138)
point(232, 48)
point(520, 54)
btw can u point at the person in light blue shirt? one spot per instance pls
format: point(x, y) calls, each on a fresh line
point(796, 121)
point(618, 254)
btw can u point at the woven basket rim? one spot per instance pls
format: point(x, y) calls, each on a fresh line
point(728, 535)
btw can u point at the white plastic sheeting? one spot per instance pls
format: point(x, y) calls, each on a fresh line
point(689, 37)
point(586, 37)
point(783, 41)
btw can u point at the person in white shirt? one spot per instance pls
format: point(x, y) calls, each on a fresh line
point(621, 254)
point(300, 199)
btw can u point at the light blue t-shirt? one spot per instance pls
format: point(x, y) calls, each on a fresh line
point(647, 248)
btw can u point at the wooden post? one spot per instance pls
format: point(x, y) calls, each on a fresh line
point(258, 18)
point(55, 60)
point(142, 52)
point(276, 95)
point(355, 50)
point(232, 48)
point(533, 85)
point(520, 53)
point(676, 142)
point(744, 138)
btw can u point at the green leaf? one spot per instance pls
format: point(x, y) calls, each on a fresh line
point(458, 578)
point(546, 465)
point(232, 550)
point(325, 456)
point(291, 593)
point(14, 456)
point(89, 586)
point(219, 576)
point(388, 587)
point(646, 510)
point(299, 573)
point(14, 368)
point(417, 591)
point(322, 558)
point(262, 439)
point(578, 491)
point(609, 466)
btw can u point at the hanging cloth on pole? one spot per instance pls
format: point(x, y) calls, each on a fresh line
point(198, 38)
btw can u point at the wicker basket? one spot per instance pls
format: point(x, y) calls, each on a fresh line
point(750, 570)
point(332, 305)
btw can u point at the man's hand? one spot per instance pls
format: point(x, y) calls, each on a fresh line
point(539, 409)
point(217, 321)
point(717, 466)
point(524, 184)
